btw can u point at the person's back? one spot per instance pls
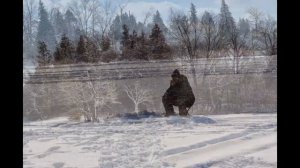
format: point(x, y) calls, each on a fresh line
point(187, 92)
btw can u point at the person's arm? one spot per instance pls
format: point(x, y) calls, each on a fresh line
point(172, 82)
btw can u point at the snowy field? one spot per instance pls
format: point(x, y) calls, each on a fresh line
point(214, 141)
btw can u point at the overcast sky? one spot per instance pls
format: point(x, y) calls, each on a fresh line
point(238, 8)
point(139, 8)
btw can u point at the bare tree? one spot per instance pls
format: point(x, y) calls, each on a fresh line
point(182, 30)
point(95, 12)
point(122, 5)
point(267, 31)
point(30, 23)
point(103, 20)
point(237, 43)
point(138, 95)
point(186, 34)
point(78, 95)
point(37, 99)
point(91, 95)
point(210, 34)
point(255, 17)
point(108, 12)
point(148, 15)
point(83, 11)
point(30, 20)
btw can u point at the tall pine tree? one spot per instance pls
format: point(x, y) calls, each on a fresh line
point(81, 50)
point(193, 17)
point(158, 44)
point(158, 20)
point(44, 56)
point(71, 26)
point(45, 30)
point(133, 39)
point(142, 47)
point(125, 37)
point(118, 23)
point(59, 24)
point(227, 23)
point(116, 28)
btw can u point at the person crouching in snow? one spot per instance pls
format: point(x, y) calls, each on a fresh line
point(178, 94)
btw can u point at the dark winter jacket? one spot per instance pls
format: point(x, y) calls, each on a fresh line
point(180, 89)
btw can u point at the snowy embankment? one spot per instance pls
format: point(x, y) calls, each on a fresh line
point(237, 140)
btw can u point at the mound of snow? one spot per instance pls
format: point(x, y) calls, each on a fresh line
point(203, 120)
point(176, 120)
point(192, 119)
point(52, 121)
point(147, 114)
point(140, 115)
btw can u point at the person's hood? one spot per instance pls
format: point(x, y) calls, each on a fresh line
point(176, 73)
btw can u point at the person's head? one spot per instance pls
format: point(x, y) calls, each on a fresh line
point(175, 74)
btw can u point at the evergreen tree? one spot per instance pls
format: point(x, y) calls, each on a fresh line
point(45, 30)
point(132, 25)
point(70, 22)
point(125, 38)
point(92, 50)
point(207, 19)
point(44, 56)
point(59, 24)
point(193, 17)
point(105, 43)
point(116, 28)
point(142, 47)
point(158, 20)
point(65, 51)
point(157, 43)
point(227, 23)
point(58, 58)
point(133, 39)
point(156, 37)
point(69, 17)
point(81, 50)
point(143, 38)
point(140, 27)
point(119, 21)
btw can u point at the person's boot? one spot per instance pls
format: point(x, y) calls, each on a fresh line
point(169, 113)
point(168, 106)
point(183, 111)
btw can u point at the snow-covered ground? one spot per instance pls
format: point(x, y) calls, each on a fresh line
point(215, 141)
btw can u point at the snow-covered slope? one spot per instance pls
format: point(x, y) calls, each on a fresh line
point(237, 140)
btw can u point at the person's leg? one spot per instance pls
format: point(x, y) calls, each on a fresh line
point(168, 105)
point(183, 111)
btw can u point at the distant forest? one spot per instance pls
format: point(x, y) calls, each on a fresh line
point(89, 31)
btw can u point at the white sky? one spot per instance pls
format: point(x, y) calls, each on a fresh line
point(139, 8)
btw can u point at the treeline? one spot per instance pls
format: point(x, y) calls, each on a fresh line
point(134, 47)
point(92, 31)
